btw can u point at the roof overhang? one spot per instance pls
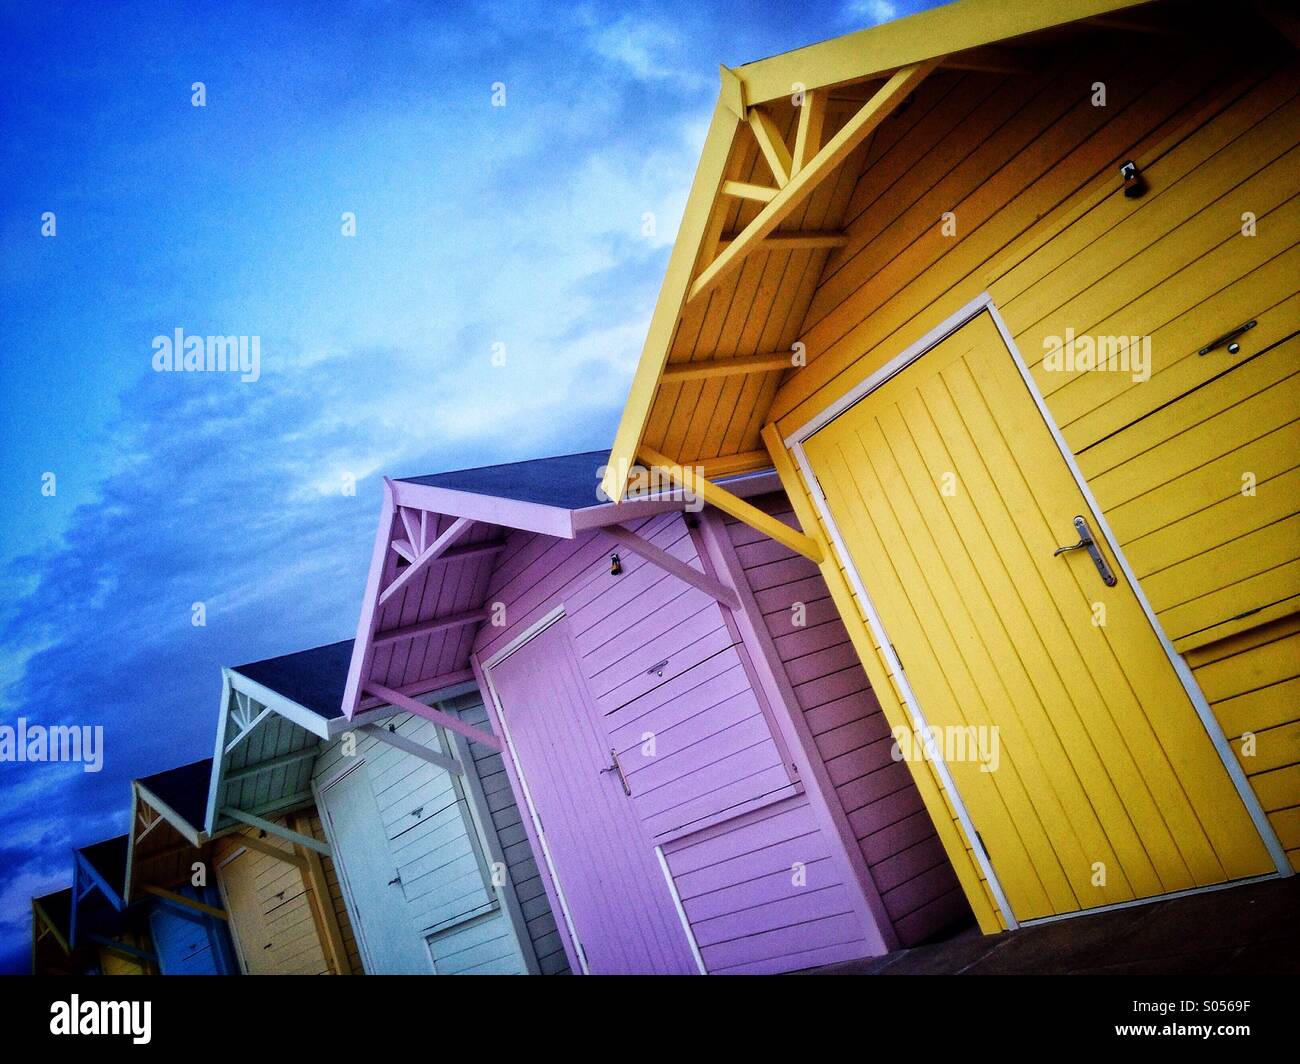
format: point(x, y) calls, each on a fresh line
point(427, 586)
point(144, 801)
point(902, 52)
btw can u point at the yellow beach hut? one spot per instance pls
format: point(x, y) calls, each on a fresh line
point(1006, 293)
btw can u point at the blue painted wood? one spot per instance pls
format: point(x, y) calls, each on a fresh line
point(186, 941)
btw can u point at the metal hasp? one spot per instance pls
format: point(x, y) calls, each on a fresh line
point(1232, 334)
point(614, 766)
point(1086, 542)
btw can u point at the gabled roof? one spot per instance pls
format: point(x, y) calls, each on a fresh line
point(567, 481)
point(314, 678)
point(183, 790)
point(275, 716)
point(765, 214)
point(108, 858)
point(439, 542)
point(56, 910)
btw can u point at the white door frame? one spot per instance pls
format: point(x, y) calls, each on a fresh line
point(795, 443)
point(529, 633)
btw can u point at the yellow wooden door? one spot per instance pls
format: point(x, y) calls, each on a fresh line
point(950, 496)
point(271, 915)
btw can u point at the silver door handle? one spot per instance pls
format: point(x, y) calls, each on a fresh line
point(1088, 543)
point(614, 766)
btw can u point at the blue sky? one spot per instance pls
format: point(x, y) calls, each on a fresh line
point(476, 225)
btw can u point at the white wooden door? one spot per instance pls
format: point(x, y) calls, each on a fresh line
point(380, 914)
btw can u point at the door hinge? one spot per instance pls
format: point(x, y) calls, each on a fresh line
point(987, 856)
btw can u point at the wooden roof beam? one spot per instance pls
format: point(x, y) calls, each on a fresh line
point(737, 507)
point(272, 828)
point(439, 546)
point(808, 130)
point(1130, 22)
point(772, 145)
point(992, 59)
point(410, 746)
point(433, 713)
point(269, 765)
point(834, 152)
point(803, 240)
point(456, 554)
point(435, 624)
point(188, 903)
point(674, 566)
point(727, 367)
point(750, 191)
point(270, 849)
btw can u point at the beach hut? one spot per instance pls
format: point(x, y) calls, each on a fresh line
point(168, 863)
point(1006, 294)
point(705, 773)
point(429, 869)
point(100, 923)
point(52, 953)
point(275, 871)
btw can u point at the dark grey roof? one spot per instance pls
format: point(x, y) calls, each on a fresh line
point(314, 678)
point(108, 858)
point(184, 790)
point(58, 909)
point(568, 481)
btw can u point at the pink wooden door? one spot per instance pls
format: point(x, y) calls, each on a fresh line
point(607, 869)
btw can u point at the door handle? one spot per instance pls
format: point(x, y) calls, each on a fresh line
point(614, 766)
point(1088, 543)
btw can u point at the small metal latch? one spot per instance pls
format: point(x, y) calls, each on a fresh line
point(1134, 183)
point(417, 811)
point(1086, 542)
point(395, 880)
point(1231, 334)
point(614, 766)
point(657, 668)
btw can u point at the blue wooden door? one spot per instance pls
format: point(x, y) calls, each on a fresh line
point(185, 940)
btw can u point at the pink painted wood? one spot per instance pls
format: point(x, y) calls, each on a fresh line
point(878, 803)
point(610, 879)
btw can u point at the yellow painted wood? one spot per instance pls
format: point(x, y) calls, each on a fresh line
point(808, 132)
point(1103, 756)
point(181, 899)
point(738, 508)
point(1278, 788)
point(323, 913)
point(672, 296)
point(1235, 517)
point(930, 34)
point(1275, 748)
point(772, 145)
point(271, 915)
point(921, 276)
point(272, 849)
point(832, 153)
point(746, 190)
point(113, 963)
point(936, 802)
point(723, 367)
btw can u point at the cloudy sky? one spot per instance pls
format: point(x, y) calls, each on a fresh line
point(475, 226)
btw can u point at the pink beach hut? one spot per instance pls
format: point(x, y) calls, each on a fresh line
point(704, 771)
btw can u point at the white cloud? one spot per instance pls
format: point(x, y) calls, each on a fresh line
point(870, 12)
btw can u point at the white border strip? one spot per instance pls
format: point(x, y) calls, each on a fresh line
point(681, 910)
